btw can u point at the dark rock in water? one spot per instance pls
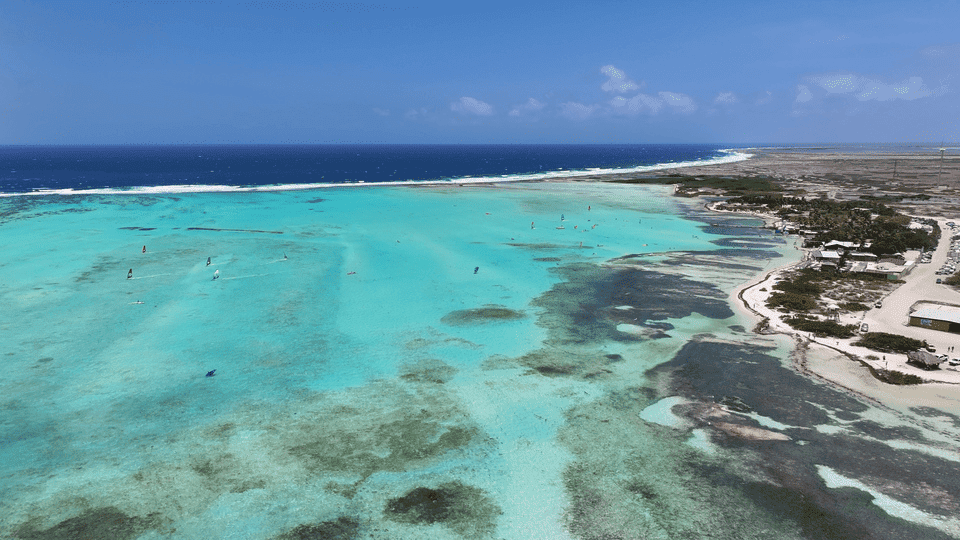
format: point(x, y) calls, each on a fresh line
point(555, 370)
point(425, 505)
point(463, 508)
point(344, 528)
point(481, 315)
point(735, 404)
point(615, 357)
point(107, 523)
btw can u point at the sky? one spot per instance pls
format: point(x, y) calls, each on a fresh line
point(275, 71)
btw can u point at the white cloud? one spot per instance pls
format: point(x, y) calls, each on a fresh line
point(681, 103)
point(765, 98)
point(803, 93)
point(469, 105)
point(865, 89)
point(532, 105)
point(416, 113)
point(725, 98)
point(577, 111)
point(638, 104)
point(617, 81)
point(381, 112)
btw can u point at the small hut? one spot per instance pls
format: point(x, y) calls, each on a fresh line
point(923, 360)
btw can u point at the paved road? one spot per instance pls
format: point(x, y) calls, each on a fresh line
point(921, 284)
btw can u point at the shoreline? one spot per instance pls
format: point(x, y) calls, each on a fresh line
point(837, 361)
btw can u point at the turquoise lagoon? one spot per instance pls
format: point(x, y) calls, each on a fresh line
point(396, 362)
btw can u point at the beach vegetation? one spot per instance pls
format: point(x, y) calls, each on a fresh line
point(853, 306)
point(804, 283)
point(898, 377)
point(725, 185)
point(789, 301)
point(953, 280)
point(887, 230)
point(893, 343)
point(822, 328)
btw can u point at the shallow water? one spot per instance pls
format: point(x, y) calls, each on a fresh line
point(421, 363)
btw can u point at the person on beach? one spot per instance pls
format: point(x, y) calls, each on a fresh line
point(130, 274)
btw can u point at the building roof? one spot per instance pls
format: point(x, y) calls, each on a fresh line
point(846, 245)
point(822, 254)
point(863, 254)
point(924, 357)
point(877, 268)
point(937, 314)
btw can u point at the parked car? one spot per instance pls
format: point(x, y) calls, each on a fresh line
point(878, 305)
point(939, 281)
point(954, 362)
point(864, 328)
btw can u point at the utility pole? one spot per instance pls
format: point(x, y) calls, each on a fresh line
point(940, 170)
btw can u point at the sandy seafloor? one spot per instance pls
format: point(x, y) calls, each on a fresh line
point(606, 391)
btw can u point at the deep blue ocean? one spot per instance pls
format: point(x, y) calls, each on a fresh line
point(25, 169)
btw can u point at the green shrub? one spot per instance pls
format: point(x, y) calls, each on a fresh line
point(822, 328)
point(791, 301)
point(882, 341)
point(853, 306)
point(799, 286)
point(898, 377)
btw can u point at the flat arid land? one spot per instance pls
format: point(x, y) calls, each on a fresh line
point(923, 185)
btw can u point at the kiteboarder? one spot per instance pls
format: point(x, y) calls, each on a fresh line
point(130, 274)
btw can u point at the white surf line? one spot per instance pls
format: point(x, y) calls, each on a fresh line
point(732, 156)
point(244, 277)
point(153, 276)
point(891, 506)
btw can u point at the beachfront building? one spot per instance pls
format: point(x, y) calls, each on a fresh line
point(826, 256)
point(891, 271)
point(893, 258)
point(936, 319)
point(862, 256)
point(838, 245)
